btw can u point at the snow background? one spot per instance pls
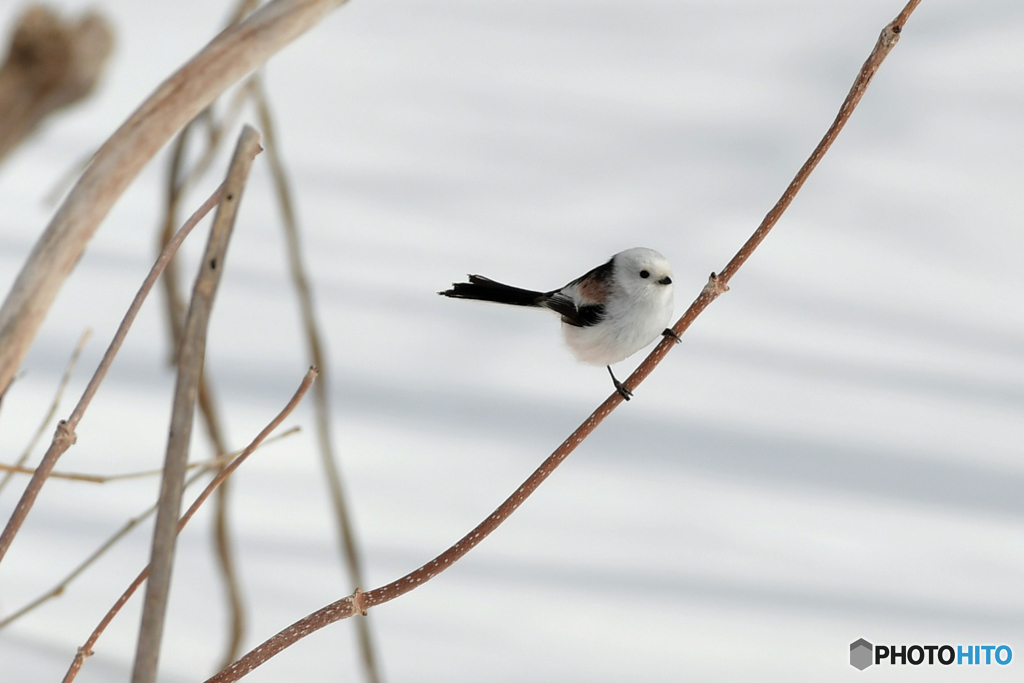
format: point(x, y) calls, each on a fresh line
point(832, 453)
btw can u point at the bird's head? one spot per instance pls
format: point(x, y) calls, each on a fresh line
point(642, 272)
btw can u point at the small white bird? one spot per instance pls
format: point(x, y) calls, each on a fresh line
point(607, 315)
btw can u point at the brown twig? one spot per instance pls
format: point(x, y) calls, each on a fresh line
point(58, 590)
point(321, 402)
point(215, 134)
point(65, 435)
point(221, 531)
point(86, 650)
point(359, 602)
point(69, 476)
point(204, 465)
point(54, 405)
point(190, 367)
point(718, 284)
point(227, 58)
point(178, 182)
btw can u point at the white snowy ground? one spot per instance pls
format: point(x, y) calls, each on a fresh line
point(833, 453)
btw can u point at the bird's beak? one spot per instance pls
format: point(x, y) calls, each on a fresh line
point(665, 280)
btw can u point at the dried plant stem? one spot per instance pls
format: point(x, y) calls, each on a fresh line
point(178, 182)
point(204, 467)
point(229, 574)
point(332, 474)
point(177, 187)
point(226, 59)
point(70, 476)
point(175, 305)
point(74, 574)
point(54, 405)
point(359, 602)
point(221, 536)
point(65, 435)
point(86, 650)
point(190, 367)
point(216, 130)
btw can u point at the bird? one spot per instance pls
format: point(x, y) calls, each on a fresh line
point(607, 314)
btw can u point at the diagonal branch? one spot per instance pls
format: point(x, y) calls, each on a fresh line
point(359, 602)
point(222, 475)
point(65, 435)
point(59, 589)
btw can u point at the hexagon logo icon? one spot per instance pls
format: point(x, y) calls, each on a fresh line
point(860, 654)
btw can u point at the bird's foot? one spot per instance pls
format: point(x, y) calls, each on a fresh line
point(619, 386)
point(623, 391)
point(671, 334)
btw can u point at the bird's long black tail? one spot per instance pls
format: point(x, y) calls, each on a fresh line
point(484, 289)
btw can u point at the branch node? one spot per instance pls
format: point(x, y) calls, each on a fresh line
point(890, 36)
point(715, 286)
point(358, 603)
point(65, 435)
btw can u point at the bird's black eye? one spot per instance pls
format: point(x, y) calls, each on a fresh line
point(644, 274)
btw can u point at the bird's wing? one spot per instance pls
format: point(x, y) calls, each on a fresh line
point(583, 315)
point(581, 302)
point(593, 287)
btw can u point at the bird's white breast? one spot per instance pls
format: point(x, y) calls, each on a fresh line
point(628, 326)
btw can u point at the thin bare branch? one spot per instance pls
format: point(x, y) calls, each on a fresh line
point(77, 571)
point(359, 602)
point(204, 467)
point(227, 58)
point(86, 650)
point(190, 367)
point(177, 182)
point(215, 135)
point(886, 42)
point(70, 368)
point(321, 400)
point(221, 534)
point(65, 436)
point(69, 476)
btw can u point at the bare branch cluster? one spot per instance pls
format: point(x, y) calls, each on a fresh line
point(229, 57)
point(185, 98)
